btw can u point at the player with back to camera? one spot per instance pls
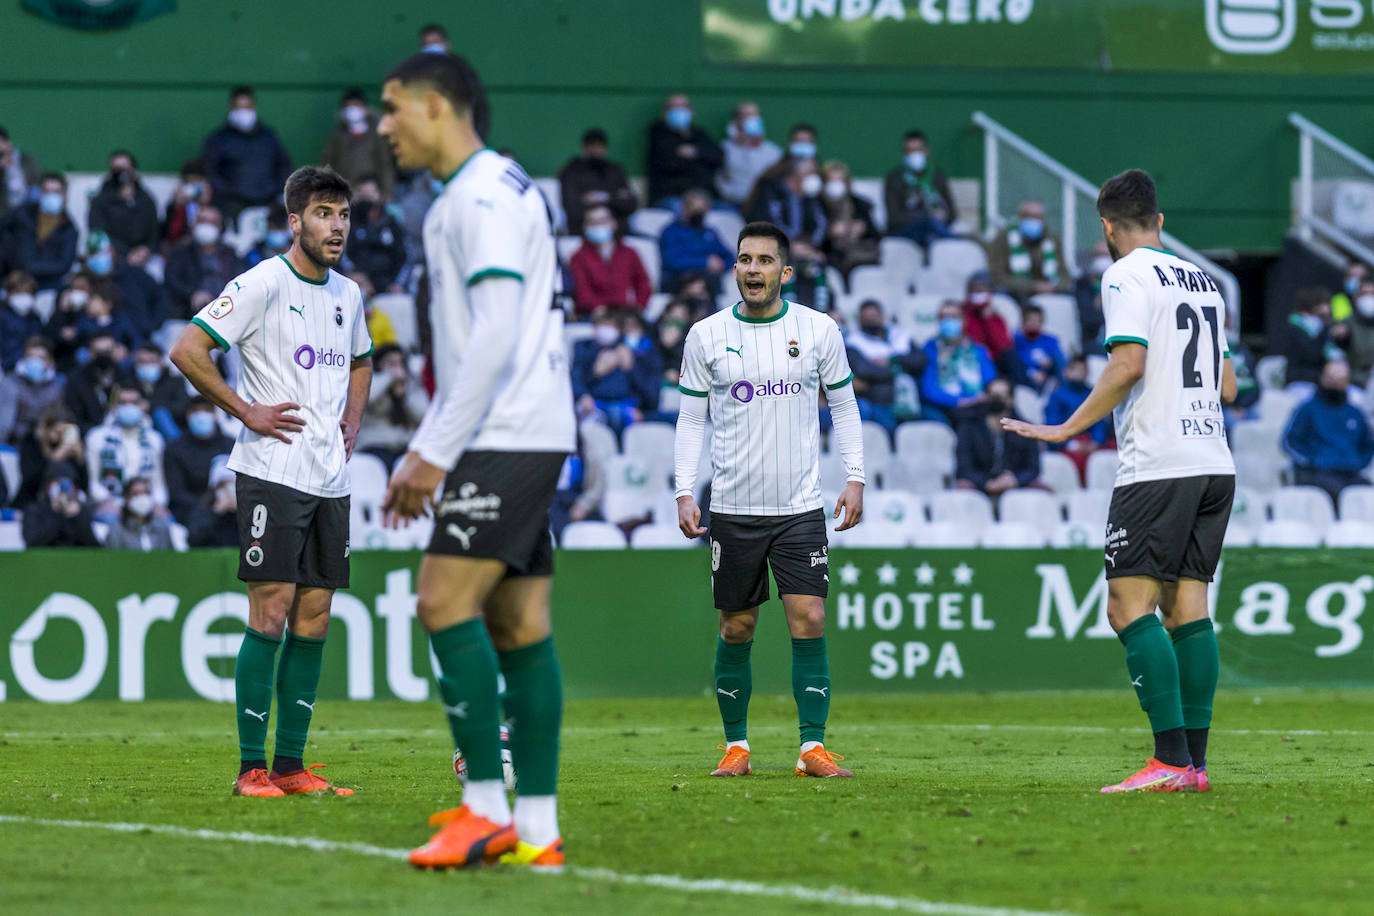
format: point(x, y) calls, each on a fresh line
point(1167, 377)
point(307, 366)
point(760, 366)
point(495, 437)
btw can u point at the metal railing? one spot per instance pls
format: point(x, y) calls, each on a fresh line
point(1340, 161)
point(1014, 170)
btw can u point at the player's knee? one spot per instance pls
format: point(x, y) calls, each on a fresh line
point(737, 628)
point(809, 623)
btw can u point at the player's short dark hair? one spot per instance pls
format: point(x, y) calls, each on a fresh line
point(594, 135)
point(433, 27)
point(914, 135)
point(242, 90)
point(1129, 199)
point(1032, 309)
point(354, 94)
point(311, 182)
point(765, 230)
point(452, 77)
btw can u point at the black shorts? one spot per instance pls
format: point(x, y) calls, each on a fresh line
point(289, 536)
point(744, 547)
point(1169, 529)
point(495, 506)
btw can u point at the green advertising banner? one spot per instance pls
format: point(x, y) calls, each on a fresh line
point(1249, 36)
point(88, 624)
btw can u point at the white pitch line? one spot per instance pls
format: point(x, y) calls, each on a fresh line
point(837, 896)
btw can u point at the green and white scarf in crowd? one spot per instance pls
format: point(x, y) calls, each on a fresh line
point(1019, 260)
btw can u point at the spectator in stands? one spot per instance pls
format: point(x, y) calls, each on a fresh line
point(582, 485)
point(1071, 391)
point(57, 439)
point(671, 336)
point(277, 240)
point(164, 391)
point(1343, 303)
point(681, 155)
point(1038, 352)
point(355, 150)
point(20, 174)
point(920, 206)
point(1355, 335)
point(984, 325)
point(1087, 291)
point(1306, 341)
point(123, 209)
point(606, 271)
point(200, 267)
point(989, 458)
point(62, 328)
point(1247, 383)
point(886, 364)
point(91, 384)
point(395, 405)
point(1027, 258)
point(245, 160)
point(1329, 438)
point(122, 448)
point(18, 320)
point(376, 242)
point(801, 144)
point(140, 526)
point(142, 299)
point(27, 392)
point(60, 516)
point(39, 237)
point(193, 193)
point(188, 467)
point(792, 202)
point(434, 39)
point(613, 381)
point(103, 316)
point(689, 247)
point(379, 326)
point(592, 180)
point(851, 239)
point(957, 369)
point(696, 295)
point(748, 154)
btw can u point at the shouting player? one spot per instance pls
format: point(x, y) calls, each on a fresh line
point(760, 367)
point(1168, 375)
point(495, 438)
point(307, 366)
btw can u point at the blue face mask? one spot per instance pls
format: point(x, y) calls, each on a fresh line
point(434, 49)
point(51, 202)
point(951, 328)
point(600, 235)
point(436, 186)
point(278, 238)
point(678, 118)
point(100, 263)
point(1032, 228)
point(128, 415)
point(1352, 285)
point(201, 424)
point(753, 126)
point(802, 149)
point(148, 373)
point(34, 369)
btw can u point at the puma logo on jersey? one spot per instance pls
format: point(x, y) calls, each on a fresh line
point(1114, 286)
point(298, 310)
point(823, 691)
point(260, 716)
point(732, 694)
point(309, 706)
point(734, 351)
point(237, 288)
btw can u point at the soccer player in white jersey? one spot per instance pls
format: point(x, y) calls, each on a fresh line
point(307, 365)
point(1168, 375)
point(760, 366)
point(495, 438)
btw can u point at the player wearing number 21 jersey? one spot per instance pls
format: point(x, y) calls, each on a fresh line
point(1167, 377)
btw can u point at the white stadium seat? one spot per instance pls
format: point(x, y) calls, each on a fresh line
point(1102, 465)
point(1014, 536)
point(1061, 319)
point(1029, 506)
point(592, 536)
point(924, 458)
point(1009, 309)
point(9, 469)
point(902, 258)
point(400, 309)
point(871, 281)
point(1270, 370)
point(597, 437)
point(1078, 534)
point(650, 221)
point(652, 443)
point(368, 474)
point(1261, 472)
point(969, 508)
point(1239, 536)
point(1252, 437)
point(877, 449)
point(944, 534)
point(727, 226)
point(1029, 404)
point(553, 196)
point(567, 247)
point(656, 305)
point(1249, 508)
point(1357, 504)
point(1350, 533)
point(873, 533)
point(1276, 405)
point(648, 252)
point(661, 537)
point(952, 261)
point(1089, 507)
point(1059, 473)
point(1288, 534)
point(11, 536)
point(894, 507)
point(1303, 504)
point(919, 316)
point(834, 475)
point(632, 491)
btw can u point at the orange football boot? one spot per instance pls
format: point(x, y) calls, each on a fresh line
point(304, 782)
point(464, 839)
point(820, 762)
point(256, 784)
point(734, 763)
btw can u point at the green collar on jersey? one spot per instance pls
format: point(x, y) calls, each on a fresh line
point(747, 319)
point(1160, 250)
point(462, 165)
point(290, 267)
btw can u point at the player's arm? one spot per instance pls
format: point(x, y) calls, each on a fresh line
point(1125, 367)
point(844, 415)
point(1229, 387)
point(694, 381)
point(359, 387)
point(191, 355)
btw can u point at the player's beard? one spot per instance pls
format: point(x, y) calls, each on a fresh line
point(314, 250)
point(1112, 249)
point(769, 294)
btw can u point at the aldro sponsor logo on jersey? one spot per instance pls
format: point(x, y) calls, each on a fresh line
point(745, 391)
point(308, 357)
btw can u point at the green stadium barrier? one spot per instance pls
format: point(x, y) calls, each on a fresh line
point(103, 625)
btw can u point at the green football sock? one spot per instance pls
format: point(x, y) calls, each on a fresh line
point(734, 683)
point(1195, 647)
point(1154, 672)
point(534, 707)
point(811, 686)
point(467, 686)
point(298, 677)
point(253, 692)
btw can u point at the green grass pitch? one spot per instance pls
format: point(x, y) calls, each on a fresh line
point(961, 804)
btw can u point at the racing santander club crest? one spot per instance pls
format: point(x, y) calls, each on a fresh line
point(338, 315)
point(793, 350)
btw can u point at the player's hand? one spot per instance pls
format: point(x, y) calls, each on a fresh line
point(852, 502)
point(273, 420)
point(1035, 431)
point(350, 437)
point(689, 517)
point(411, 491)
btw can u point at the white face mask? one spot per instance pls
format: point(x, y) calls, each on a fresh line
point(916, 161)
point(205, 233)
point(835, 189)
point(141, 504)
point(77, 298)
point(811, 185)
point(1365, 306)
point(22, 303)
point(982, 297)
point(244, 119)
point(606, 334)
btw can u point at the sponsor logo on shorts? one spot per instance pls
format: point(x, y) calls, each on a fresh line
point(820, 557)
point(485, 507)
point(462, 535)
point(745, 391)
point(220, 307)
point(307, 357)
point(1116, 539)
point(253, 556)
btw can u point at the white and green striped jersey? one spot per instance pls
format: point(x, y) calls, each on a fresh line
point(763, 379)
point(297, 338)
point(1170, 424)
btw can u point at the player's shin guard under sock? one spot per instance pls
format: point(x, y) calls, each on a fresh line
point(734, 683)
point(298, 677)
point(534, 706)
point(253, 692)
point(467, 686)
point(1154, 675)
point(811, 686)
point(1195, 647)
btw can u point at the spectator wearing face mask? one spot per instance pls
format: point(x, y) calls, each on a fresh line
point(886, 364)
point(920, 206)
point(989, 458)
point(1306, 340)
point(142, 300)
point(434, 39)
point(606, 272)
point(1329, 438)
point(123, 209)
point(39, 238)
point(1355, 335)
point(188, 466)
point(593, 180)
point(1343, 303)
point(690, 247)
point(681, 155)
point(62, 327)
point(245, 161)
point(275, 242)
point(1087, 291)
point(695, 293)
point(26, 394)
point(355, 150)
point(18, 320)
point(193, 193)
point(957, 369)
point(1039, 353)
point(165, 392)
point(1066, 396)
point(123, 448)
point(747, 152)
point(793, 204)
point(60, 516)
point(140, 526)
point(983, 325)
point(91, 384)
point(615, 376)
point(395, 405)
point(1026, 259)
point(851, 238)
point(103, 316)
point(801, 144)
point(20, 174)
point(581, 485)
point(376, 241)
point(670, 336)
point(201, 266)
point(58, 441)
